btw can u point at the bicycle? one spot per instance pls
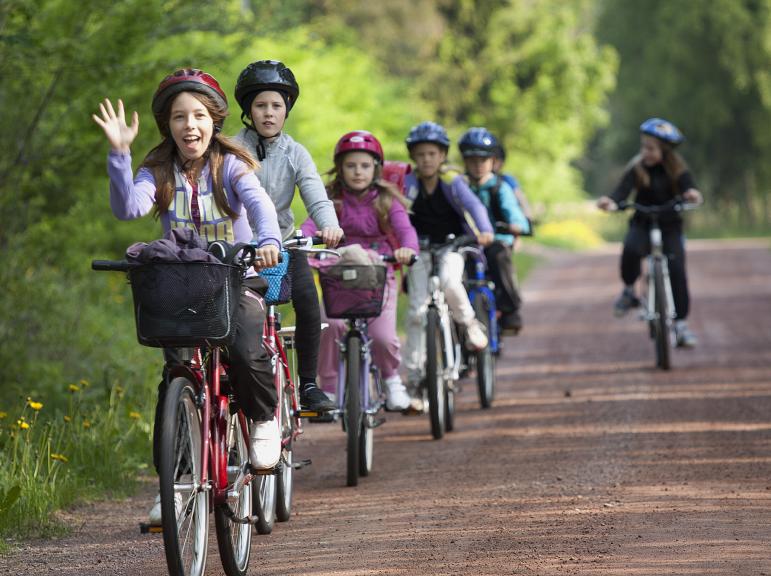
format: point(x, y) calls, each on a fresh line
point(204, 439)
point(481, 291)
point(273, 493)
point(658, 307)
point(443, 346)
point(359, 392)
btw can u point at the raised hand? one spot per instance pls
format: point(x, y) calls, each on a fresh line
point(118, 133)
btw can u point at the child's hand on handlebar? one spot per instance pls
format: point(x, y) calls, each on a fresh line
point(693, 195)
point(404, 255)
point(606, 203)
point(331, 236)
point(267, 257)
point(485, 238)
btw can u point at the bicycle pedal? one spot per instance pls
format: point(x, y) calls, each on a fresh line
point(301, 464)
point(145, 528)
point(320, 417)
point(375, 422)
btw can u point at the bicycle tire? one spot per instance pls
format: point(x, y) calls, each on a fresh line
point(184, 518)
point(284, 482)
point(234, 539)
point(662, 343)
point(352, 408)
point(366, 448)
point(435, 374)
point(485, 361)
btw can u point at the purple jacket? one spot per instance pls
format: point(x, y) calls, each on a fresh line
point(132, 197)
point(457, 192)
point(360, 224)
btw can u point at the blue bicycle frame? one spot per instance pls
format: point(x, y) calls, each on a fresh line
point(477, 285)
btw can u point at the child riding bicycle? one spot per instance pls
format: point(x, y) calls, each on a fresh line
point(266, 91)
point(479, 149)
point(372, 213)
point(657, 174)
point(198, 179)
point(442, 204)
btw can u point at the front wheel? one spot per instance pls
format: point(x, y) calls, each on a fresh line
point(284, 483)
point(435, 383)
point(661, 324)
point(485, 360)
point(353, 419)
point(184, 502)
point(234, 539)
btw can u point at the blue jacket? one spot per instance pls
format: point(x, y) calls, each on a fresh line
point(459, 195)
point(508, 205)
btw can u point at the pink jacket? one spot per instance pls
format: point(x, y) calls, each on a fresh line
point(360, 224)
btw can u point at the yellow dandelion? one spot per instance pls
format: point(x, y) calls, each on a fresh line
point(86, 424)
point(59, 457)
point(34, 405)
point(3, 415)
point(67, 419)
point(84, 383)
point(22, 424)
point(74, 388)
point(135, 415)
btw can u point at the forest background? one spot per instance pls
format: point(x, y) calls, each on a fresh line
point(564, 84)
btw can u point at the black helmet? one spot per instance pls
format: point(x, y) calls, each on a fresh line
point(478, 142)
point(265, 75)
point(427, 132)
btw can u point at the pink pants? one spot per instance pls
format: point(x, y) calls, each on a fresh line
point(382, 332)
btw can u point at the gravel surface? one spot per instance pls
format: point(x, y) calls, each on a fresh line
point(590, 461)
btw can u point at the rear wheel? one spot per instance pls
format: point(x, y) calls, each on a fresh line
point(353, 420)
point(234, 539)
point(435, 384)
point(284, 482)
point(661, 326)
point(184, 504)
point(485, 360)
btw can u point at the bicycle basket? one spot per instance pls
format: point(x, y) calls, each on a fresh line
point(353, 290)
point(279, 281)
point(185, 304)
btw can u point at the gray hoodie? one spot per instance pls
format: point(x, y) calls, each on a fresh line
point(288, 164)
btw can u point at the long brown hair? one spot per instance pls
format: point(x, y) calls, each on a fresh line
point(161, 159)
point(386, 193)
point(673, 163)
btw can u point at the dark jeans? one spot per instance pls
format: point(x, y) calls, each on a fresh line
point(305, 301)
point(250, 372)
point(637, 246)
point(501, 270)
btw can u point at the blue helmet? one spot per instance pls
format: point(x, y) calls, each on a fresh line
point(479, 142)
point(430, 132)
point(663, 130)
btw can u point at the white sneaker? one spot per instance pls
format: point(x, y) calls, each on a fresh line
point(265, 449)
point(476, 339)
point(155, 512)
point(396, 394)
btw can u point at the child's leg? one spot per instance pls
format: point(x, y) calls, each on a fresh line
point(636, 247)
point(501, 269)
point(675, 250)
point(306, 305)
point(328, 353)
point(451, 278)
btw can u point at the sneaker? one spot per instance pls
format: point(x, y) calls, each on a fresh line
point(265, 448)
point(683, 335)
point(476, 339)
point(511, 322)
point(313, 398)
point(625, 302)
point(154, 518)
point(396, 394)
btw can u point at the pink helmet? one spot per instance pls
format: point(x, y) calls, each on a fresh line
point(359, 141)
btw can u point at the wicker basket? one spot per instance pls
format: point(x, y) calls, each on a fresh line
point(353, 290)
point(185, 304)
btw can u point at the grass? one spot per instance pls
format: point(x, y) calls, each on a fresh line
point(54, 458)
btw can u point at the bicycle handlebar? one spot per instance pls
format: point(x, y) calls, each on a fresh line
point(504, 228)
point(110, 265)
point(675, 205)
point(392, 259)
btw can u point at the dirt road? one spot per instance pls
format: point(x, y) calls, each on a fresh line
point(590, 462)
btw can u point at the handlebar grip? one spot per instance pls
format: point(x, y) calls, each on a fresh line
point(110, 265)
point(392, 259)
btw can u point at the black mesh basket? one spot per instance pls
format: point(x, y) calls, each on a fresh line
point(185, 304)
point(353, 290)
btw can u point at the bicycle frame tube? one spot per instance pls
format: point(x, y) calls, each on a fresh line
point(356, 327)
